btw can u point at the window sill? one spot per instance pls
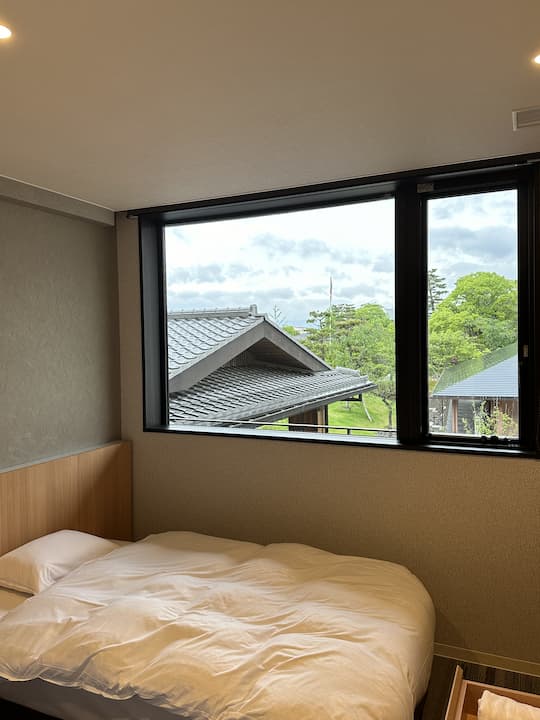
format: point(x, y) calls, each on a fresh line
point(355, 441)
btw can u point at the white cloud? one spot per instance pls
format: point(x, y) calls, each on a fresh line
point(287, 259)
point(303, 248)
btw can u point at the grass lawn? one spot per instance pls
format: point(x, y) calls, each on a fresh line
point(352, 414)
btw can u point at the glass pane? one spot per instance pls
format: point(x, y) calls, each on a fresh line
point(473, 314)
point(284, 322)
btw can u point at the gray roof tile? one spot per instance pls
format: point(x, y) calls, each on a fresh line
point(233, 394)
point(192, 338)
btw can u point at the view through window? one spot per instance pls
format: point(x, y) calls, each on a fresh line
point(473, 314)
point(284, 321)
point(283, 317)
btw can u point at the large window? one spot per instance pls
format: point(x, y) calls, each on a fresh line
point(284, 321)
point(401, 310)
point(472, 297)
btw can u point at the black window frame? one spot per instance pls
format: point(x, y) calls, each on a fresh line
point(411, 191)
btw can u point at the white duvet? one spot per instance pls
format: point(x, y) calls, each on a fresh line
point(216, 629)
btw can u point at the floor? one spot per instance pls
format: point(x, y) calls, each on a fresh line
point(502, 678)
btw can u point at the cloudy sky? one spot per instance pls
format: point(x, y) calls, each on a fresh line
point(283, 263)
point(472, 233)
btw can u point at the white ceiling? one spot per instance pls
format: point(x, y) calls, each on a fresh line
point(130, 103)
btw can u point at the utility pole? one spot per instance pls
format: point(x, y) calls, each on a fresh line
point(331, 320)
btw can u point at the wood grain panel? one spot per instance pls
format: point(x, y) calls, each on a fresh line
point(89, 491)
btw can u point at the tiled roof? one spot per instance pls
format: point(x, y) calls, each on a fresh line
point(497, 381)
point(279, 377)
point(233, 394)
point(193, 336)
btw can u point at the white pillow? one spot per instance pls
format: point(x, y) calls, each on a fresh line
point(492, 706)
point(35, 566)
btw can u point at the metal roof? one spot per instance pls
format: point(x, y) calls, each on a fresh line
point(456, 373)
point(497, 381)
point(231, 395)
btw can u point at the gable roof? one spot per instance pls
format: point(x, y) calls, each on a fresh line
point(233, 366)
point(200, 342)
point(495, 375)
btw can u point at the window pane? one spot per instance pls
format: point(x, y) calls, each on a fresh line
point(284, 321)
point(473, 314)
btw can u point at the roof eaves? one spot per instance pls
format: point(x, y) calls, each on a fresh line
point(313, 404)
point(267, 412)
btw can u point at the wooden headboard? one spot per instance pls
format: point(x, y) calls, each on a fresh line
point(88, 491)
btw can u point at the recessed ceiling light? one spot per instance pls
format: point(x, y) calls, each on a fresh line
point(536, 59)
point(5, 32)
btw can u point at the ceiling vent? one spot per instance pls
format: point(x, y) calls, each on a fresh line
point(525, 117)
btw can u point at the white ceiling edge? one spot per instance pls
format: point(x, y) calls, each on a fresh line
point(27, 194)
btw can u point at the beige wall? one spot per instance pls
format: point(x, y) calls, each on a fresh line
point(59, 361)
point(468, 527)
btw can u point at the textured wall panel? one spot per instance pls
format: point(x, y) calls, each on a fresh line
point(59, 371)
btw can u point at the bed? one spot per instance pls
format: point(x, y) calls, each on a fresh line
point(186, 625)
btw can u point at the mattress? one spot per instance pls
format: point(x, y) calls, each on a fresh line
point(74, 704)
point(204, 628)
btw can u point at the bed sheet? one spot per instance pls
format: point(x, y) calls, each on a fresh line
point(10, 599)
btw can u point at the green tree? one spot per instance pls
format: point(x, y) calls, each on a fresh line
point(365, 342)
point(328, 328)
point(373, 352)
point(359, 338)
point(291, 330)
point(478, 316)
point(436, 290)
point(386, 390)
